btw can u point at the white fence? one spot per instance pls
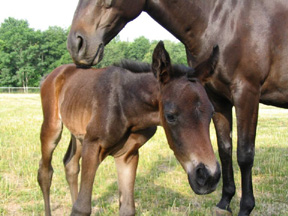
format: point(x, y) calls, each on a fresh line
point(19, 90)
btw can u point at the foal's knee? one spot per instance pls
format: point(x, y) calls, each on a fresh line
point(44, 176)
point(72, 170)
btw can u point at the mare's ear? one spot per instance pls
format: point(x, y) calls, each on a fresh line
point(161, 64)
point(205, 69)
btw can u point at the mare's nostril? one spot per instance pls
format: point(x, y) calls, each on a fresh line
point(79, 41)
point(76, 45)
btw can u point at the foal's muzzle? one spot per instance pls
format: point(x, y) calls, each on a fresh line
point(202, 181)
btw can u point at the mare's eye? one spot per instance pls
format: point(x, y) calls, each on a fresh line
point(170, 118)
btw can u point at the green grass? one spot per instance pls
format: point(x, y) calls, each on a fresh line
point(161, 185)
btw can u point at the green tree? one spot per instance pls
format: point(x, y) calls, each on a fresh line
point(19, 50)
point(26, 55)
point(148, 55)
point(138, 48)
point(177, 52)
point(114, 52)
point(53, 48)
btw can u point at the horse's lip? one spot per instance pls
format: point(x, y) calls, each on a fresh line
point(99, 55)
point(95, 60)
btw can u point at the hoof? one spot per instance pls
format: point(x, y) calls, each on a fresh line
point(220, 212)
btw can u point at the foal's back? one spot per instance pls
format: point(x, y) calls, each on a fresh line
point(77, 96)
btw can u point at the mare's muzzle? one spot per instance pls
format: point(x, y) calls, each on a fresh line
point(83, 52)
point(202, 181)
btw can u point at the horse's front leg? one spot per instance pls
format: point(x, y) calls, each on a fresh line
point(246, 106)
point(223, 125)
point(91, 159)
point(126, 168)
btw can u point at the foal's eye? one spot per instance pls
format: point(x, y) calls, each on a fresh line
point(170, 118)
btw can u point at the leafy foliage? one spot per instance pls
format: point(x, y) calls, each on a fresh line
point(26, 55)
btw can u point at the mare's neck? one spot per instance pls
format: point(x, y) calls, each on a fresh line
point(186, 20)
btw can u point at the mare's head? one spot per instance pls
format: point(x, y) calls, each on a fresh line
point(186, 113)
point(95, 23)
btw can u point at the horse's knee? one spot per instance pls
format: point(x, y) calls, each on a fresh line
point(245, 157)
point(72, 170)
point(225, 150)
point(44, 176)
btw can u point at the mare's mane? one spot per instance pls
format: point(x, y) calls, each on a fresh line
point(142, 67)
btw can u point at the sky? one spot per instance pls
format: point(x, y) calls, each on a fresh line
point(41, 14)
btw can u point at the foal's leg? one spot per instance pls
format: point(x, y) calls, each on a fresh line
point(126, 168)
point(92, 156)
point(223, 125)
point(246, 106)
point(50, 136)
point(72, 167)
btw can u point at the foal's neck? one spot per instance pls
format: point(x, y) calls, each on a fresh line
point(144, 113)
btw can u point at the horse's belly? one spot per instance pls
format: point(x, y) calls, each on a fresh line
point(275, 91)
point(76, 121)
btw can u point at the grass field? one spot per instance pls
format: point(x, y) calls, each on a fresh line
point(161, 185)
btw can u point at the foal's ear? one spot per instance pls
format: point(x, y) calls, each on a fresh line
point(161, 64)
point(205, 69)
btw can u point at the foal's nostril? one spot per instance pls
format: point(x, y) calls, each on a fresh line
point(201, 175)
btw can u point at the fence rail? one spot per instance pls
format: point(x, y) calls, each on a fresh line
point(25, 90)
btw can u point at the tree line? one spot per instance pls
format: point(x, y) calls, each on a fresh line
point(26, 54)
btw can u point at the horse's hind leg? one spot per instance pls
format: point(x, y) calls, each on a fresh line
point(50, 136)
point(72, 167)
point(126, 165)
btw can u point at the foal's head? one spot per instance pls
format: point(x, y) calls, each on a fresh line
point(186, 113)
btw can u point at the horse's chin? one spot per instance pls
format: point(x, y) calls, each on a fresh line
point(87, 62)
point(99, 55)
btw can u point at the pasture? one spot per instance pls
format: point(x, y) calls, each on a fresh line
point(161, 186)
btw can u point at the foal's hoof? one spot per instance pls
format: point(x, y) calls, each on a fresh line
point(220, 212)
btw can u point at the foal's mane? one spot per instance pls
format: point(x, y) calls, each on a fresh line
point(134, 66)
point(142, 67)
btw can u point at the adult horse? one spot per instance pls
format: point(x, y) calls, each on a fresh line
point(113, 111)
point(253, 39)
